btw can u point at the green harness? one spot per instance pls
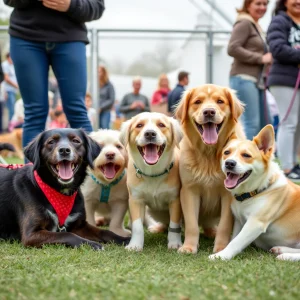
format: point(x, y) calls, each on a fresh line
point(105, 189)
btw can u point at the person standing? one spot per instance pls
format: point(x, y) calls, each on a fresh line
point(10, 85)
point(134, 103)
point(160, 96)
point(107, 98)
point(176, 94)
point(284, 40)
point(251, 56)
point(51, 32)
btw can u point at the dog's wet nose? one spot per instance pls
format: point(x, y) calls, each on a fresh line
point(150, 134)
point(110, 155)
point(64, 151)
point(230, 164)
point(209, 112)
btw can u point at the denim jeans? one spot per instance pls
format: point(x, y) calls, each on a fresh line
point(68, 61)
point(104, 119)
point(257, 113)
point(10, 104)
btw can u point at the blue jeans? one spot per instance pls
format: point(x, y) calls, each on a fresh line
point(68, 61)
point(257, 113)
point(10, 104)
point(104, 119)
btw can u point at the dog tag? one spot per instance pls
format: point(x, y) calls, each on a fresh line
point(61, 229)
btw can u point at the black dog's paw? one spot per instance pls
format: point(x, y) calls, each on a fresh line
point(95, 246)
point(110, 237)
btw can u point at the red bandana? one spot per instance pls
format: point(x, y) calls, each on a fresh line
point(62, 204)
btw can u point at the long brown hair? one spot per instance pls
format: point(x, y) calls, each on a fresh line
point(280, 6)
point(245, 6)
point(103, 81)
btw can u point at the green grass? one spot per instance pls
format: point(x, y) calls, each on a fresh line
point(56, 272)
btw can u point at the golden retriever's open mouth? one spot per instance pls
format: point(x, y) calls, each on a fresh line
point(233, 180)
point(209, 132)
point(110, 170)
point(64, 170)
point(151, 153)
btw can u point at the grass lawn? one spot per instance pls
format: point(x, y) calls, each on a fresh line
point(57, 272)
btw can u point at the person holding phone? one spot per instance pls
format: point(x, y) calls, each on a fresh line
point(51, 33)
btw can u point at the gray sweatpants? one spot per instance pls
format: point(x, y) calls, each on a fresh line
point(289, 131)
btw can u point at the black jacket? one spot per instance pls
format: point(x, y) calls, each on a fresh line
point(284, 41)
point(30, 20)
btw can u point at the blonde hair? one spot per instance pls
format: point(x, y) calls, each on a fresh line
point(105, 78)
point(136, 78)
point(160, 78)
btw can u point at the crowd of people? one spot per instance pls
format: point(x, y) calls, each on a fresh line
point(264, 74)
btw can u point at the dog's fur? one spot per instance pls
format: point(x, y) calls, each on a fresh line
point(203, 196)
point(14, 138)
point(271, 217)
point(161, 193)
point(27, 215)
point(113, 156)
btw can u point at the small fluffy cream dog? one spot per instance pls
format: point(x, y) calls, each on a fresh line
point(104, 189)
point(153, 175)
point(266, 205)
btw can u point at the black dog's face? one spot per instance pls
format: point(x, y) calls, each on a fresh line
point(64, 152)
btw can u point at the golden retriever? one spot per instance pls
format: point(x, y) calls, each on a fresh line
point(153, 175)
point(104, 190)
point(209, 117)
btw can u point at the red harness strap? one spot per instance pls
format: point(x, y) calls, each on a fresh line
point(62, 204)
point(13, 166)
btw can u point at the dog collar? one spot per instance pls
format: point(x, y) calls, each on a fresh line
point(140, 173)
point(246, 196)
point(61, 203)
point(105, 188)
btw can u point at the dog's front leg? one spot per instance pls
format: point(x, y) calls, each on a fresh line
point(118, 211)
point(250, 232)
point(137, 229)
point(190, 203)
point(43, 237)
point(93, 233)
point(174, 234)
point(224, 229)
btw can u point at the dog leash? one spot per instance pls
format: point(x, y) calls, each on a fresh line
point(105, 188)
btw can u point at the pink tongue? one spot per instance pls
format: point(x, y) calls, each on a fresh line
point(65, 171)
point(150, 154)
point(210, 134)
point(109, 170)
point(231, 180)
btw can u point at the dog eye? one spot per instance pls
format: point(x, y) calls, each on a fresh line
point(227, 152)
point(140, 125)
point(161, 125)
point(76, 141)
point(220, 101)
point(198, 102)
point(51, 142)
point(119, 146)
point(246, 155)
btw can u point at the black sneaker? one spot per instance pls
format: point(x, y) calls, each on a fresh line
point(294, 174)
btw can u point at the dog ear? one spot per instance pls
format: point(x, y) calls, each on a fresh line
point(125, 132)
point(265, 139)
point(32, 151)
point(176, 131)
point(92, 149)
point(236, 106)
point(181, 111)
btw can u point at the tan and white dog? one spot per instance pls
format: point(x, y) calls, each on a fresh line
point(153, 176)
point(266, 205)
point(209, 117)
point(104, 189)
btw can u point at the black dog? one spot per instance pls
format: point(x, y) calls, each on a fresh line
point(60, 158)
